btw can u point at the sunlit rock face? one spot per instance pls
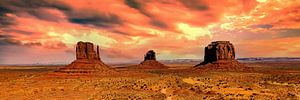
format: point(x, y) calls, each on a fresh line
point(220, 55)
point(87, 60)
point(219, 50)
point(85, 50)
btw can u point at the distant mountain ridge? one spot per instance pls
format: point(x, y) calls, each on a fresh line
point(265, 59)
point(178, 61)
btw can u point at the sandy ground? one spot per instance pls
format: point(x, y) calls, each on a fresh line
point(180, 82)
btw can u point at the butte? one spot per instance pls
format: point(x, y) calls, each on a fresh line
point(220, 56)
point(150, 62)
point(87, 60)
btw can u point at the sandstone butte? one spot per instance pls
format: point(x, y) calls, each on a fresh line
point(150, 62)
point(87, 60)
point(220, 55)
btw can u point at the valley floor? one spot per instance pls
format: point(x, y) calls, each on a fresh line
point(268, 81)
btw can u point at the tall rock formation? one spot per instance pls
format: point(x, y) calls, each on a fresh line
point(219, 51)
point(85, 51)
point(149, 62)
point(220, 55)
point(150, 55)
point(87, 60)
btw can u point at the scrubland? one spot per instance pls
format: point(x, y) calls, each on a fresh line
point(272, 80)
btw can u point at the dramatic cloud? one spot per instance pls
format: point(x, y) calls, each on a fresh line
point(267, 26)
point(195, 4)
point(94, 18)
point(126, 29)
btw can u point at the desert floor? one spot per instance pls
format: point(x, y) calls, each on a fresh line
point(269, 80)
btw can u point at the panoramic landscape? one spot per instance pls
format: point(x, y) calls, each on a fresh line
point(149, 49)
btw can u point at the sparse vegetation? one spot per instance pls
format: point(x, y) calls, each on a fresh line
point(152, 84)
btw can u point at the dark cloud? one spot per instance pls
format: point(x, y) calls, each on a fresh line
point(4, 10)
point(94, 18)
point(8, 40)
point(33, 4)
point(120, 32)
point(32, 7)
point(36, 8)
point(266, 26)
point(158, 23)
point(6, 21)
point(286, 33)
point(133, 4)
point(43, 15)
point(194, 4)
point(5, 36)
point(9, 30)
point(140, 7)
point(32, 44)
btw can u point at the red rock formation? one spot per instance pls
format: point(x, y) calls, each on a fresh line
point(150, 62)
point(87, 60)
point(220, 55)
point(150, 55)
point(219, 50)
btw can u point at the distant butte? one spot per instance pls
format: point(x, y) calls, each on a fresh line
point(150, 62)
point(220, 55)
point(150, 55)
point(87, 60)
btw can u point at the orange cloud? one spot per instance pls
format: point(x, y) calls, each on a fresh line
point(126, 29)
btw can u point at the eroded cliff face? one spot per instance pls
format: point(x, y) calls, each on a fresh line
point(87, 60)
point(220, 55)
point(149, 62)
point(219, 50)
point(85, 51)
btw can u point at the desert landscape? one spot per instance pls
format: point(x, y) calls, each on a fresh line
point(149, 49)
point(271, 80)
point(95, 80)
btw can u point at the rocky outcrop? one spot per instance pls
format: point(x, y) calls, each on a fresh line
point(150, 55)
point(87, 60)
point(85, 50)
point(219, 51)
point(220, 55)
point(150, 62)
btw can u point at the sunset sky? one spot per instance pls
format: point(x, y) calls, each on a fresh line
point(46, 31)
